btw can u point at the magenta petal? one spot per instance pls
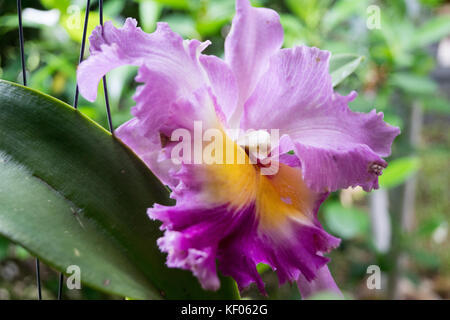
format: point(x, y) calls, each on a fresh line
point(337, 148)
point(196, 235)
point(322, 282)
point(199, 231)
point(256, 34)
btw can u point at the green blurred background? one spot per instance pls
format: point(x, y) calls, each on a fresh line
point(402, 227)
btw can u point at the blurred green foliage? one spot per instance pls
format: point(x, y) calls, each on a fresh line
point(394, 76)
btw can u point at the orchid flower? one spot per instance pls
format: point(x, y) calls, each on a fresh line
point(229, 216)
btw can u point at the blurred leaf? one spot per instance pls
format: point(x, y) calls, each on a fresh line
point(413, 84)
point(73, 24)
point(182, 24)
point(429, 225)
point(294, 31)
point(325, 295)
point(72, 194)
point(4, 245)
point(62, 5)
point(149, 13)
point(175, 4)
point(398, 171)
point(309, 11)
point(21, 253)
point(432, 31)
point(425, 258)
point(343, 65)
point(216, 14)
point(341, 12)
point(346, 223)
point(436, 104)
point(113, 8)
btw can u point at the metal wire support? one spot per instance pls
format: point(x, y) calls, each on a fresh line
point(24, 77)
point(60, 285)
point(105, 87)
point(83, 44)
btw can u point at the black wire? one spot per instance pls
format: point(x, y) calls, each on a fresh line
point(22, 54)
point(24, 77)
point(38, 279)
point(83, 44)
point(60, 286)
point(105, 87)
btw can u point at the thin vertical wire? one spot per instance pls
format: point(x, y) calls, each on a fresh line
point(83, 44)
point(24, 77)
point(60, 285)
point(22, 54)
point(105, 87)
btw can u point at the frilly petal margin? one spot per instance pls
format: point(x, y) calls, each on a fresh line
point(177, 89)
point(164, 53)
point(337, 148)
point(198, 233)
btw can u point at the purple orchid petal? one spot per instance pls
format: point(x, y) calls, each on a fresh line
point(171, 60)
point(337, 148)
point(177, 89)
point(323, 282)
point(223, 82)
point(256, 34)
point(196, 233)
point(148, 151)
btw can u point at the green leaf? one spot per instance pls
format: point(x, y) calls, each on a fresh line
point(398, 171)
point(343, 65)
point(413, 84)
point(175, 4)
point(347, 223)
point(72, 194)
point(73, 23)
point(149, 13)
point(431, 32)
point(436, 104)
point(62, 5)
point(214, 16)
point(4, 245)
point(325, 295)
point(182, 24)
point(342, 11)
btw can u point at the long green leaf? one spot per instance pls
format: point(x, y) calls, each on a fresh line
point(432, 31)
point(343, 65)
point(398, 171)
point(72, 194)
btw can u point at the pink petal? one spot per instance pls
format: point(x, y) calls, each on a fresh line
point(337, 148)
point(163, 52)
point(256, 34)
point(223, 82)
